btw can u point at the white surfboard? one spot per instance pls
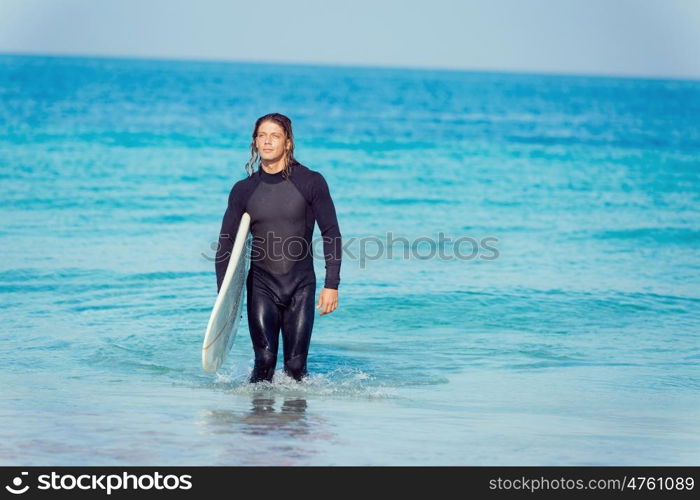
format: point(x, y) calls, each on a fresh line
point(226, 315)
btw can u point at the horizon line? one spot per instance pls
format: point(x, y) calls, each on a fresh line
point(210, 60)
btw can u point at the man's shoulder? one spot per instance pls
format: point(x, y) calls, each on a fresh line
point(244, 184)
point(299, 169)
point(241, 191)
point(303, 172)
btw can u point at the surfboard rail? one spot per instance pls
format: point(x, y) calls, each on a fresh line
point(226, 313)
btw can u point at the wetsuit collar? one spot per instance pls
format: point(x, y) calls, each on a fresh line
point(270, 178)
point(273, 178)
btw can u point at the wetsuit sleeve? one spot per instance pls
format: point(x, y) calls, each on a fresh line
point(324, 213)
point(227, 235)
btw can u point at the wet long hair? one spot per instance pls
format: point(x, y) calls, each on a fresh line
point(255, 159)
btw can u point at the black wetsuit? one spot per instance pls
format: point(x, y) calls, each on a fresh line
point(281, 283)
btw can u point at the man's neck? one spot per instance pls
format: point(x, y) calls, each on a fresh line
point(273, 167)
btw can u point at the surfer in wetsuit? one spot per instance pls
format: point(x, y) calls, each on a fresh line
point(283, 198)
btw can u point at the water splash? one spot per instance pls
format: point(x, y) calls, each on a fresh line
point(341, 382)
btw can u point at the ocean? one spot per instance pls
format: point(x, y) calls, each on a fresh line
point(520, 284)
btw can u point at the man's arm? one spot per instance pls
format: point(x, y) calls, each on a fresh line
point(227, 235)
point(324, 212)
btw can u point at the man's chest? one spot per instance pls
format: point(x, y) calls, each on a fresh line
point(273, 204)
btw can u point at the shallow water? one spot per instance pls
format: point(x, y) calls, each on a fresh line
point(576, 345)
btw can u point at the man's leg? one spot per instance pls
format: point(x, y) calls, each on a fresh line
point(297, 323)
point(264, 321)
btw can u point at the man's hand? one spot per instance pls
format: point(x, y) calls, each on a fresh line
point(327, 300)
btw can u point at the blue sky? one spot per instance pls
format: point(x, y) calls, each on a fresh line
point(656, 38)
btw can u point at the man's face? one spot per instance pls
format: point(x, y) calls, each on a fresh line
point(271, 141)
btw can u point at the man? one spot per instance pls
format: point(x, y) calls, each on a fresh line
point(283, 198)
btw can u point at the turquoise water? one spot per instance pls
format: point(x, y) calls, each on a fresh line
point(576, 345)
